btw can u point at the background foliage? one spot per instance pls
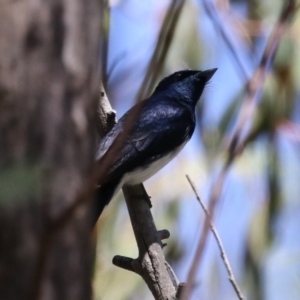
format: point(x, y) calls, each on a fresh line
point(258, 213)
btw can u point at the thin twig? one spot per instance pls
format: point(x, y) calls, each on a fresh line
point(219, 243)
point(163, 44)
point(216, 192)
point(246, 114)
point(213, 13)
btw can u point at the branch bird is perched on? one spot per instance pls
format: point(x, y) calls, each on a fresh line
point(164, 123)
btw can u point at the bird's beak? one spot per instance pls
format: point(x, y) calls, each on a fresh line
point(208, 74)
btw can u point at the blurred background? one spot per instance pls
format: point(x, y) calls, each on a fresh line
point(258, 213)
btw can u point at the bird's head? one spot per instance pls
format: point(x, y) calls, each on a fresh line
point(186, 85)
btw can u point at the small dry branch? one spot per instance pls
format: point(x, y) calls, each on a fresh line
point(219, 243)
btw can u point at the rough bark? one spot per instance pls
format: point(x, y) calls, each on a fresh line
point(49, 87)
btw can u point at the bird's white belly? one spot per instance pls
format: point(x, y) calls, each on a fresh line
point(142, 174)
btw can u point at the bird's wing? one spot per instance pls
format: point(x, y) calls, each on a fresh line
point(158, 130)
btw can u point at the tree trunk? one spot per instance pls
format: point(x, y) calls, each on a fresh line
point(49, 86)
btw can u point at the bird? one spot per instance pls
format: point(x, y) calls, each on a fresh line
point(161, 126)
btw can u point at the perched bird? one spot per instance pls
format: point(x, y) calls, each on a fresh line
point(162, 125)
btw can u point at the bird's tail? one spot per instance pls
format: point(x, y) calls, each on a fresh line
point(103, 195)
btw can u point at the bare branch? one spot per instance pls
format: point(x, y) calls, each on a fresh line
point(219, 243)
point(150, 264)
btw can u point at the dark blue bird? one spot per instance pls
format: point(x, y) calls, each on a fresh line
point(164, 123)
